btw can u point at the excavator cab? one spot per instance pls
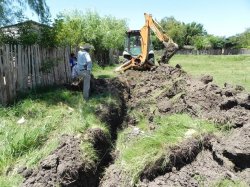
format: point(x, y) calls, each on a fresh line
point(133, 46)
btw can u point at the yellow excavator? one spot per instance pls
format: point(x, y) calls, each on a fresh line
point(138, 51)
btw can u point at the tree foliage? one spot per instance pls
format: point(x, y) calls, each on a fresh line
point(181, 33)
point(193, 30)
point(29, 33)
point(200, 42)
point(175, 29)
point(239, 41)
point(216, 42)
point(244, 39)
point(11, 11)
point(104, 33)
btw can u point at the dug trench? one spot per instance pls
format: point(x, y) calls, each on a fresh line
point(163, 91)
point(66, 166)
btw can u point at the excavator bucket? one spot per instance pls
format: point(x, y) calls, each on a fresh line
point(127, 65)
point(170, 50)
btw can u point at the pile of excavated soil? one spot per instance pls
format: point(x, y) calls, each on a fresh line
point(168, 90)
point(66, 166)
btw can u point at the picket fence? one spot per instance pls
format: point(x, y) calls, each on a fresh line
point(26, 67)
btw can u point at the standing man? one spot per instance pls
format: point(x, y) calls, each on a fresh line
point(83, 68)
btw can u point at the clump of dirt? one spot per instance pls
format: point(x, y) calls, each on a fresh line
point(179, 156)
point(236, 148)
point(199, 173)
point(63, 167)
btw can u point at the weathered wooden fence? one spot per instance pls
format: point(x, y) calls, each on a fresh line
point(26, 67)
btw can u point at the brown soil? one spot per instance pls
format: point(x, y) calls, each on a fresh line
point(164, 90)
point(228, 158)
point(64, 167)
point(170, 90)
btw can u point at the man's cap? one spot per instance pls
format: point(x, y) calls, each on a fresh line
point(85, 47)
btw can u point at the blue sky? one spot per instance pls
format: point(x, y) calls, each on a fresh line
point(219, 17)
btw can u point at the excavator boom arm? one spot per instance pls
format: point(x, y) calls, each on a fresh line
point(156, 28)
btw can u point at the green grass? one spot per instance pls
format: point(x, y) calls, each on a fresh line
point(229, 183)
point(143, 151)
point(48, 114)
point(104, 72)
point(233, 69)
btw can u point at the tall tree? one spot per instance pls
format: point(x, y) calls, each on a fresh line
point(193, 30)
point(244, 39)
point(216, 42)
point(104, 33)
point(11, 10)
point(241, 40)
point(175, 29)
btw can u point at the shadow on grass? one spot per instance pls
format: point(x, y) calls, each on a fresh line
point(104, 76)
point(51, 95)
point(55, 95)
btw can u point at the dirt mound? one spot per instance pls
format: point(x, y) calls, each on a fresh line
point(187, 161)
point(170, 90)
point(199, 173)
point(66, 165)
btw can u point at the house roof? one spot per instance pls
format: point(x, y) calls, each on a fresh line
point(26, 22)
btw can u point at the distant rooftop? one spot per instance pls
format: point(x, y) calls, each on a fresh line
point(26, 22)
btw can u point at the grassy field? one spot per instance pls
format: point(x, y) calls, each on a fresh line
point(232, 69)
